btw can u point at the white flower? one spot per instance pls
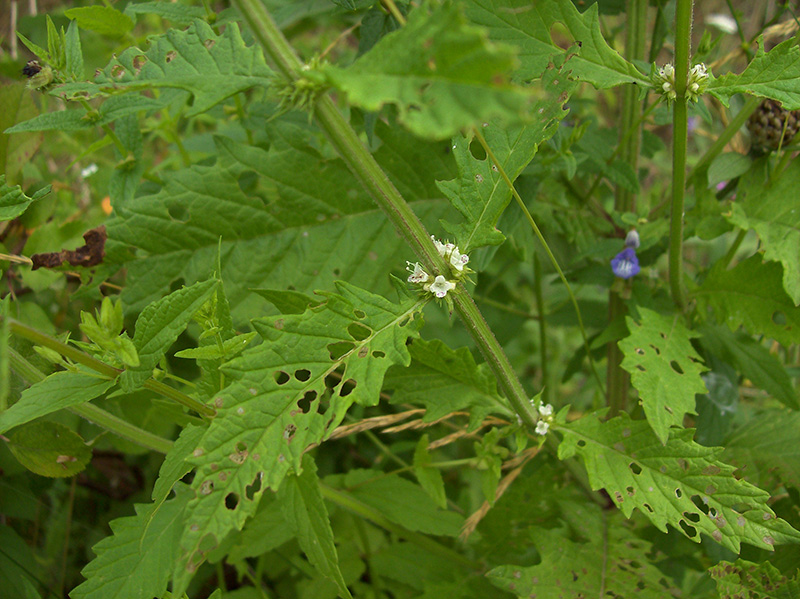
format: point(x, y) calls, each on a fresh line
point(418, 275)
point(440, 247)
point(458, 260)
point(542, 427)
point(89, 170)
point(546, 409)
point(632, 239)
point(724, 23)
point(440, 286)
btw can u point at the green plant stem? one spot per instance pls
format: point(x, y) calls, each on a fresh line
point(5, 339)
point(346, 501)
point(92, 413)
point(543, 353)
point(394, 11)
point(79, 357)
point(358, 158)
point(617, 379)
point(543, 241)
point(680, 134)
point(728, 257)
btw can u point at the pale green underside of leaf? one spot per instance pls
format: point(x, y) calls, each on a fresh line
point(270, 415)
point(571, 569)
point(665, 369)
point(751, 295)
point(681, 483)
point(291, 230)
point(305, 512)
point(159, 325)
point(136, 562)
point(480, 193)
point(13, 200)
point(772, 74)
point(766, 443)
point(773, 212)
point(440, 72)
point(527, 26)
point(58, 391)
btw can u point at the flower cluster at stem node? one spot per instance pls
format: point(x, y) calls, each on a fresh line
point(440, 284)
point(545, 417)
point(696, 82)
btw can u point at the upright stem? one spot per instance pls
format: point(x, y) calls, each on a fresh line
point(617, 379)
point(358, 158)
point(680, 127)
point(537, 290)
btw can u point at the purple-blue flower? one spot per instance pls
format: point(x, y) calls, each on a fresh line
point(625, 264)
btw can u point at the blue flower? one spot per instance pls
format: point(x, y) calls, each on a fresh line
point(625, 264)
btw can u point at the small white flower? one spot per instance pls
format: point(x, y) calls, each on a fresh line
point(724, 23)
point(458, 260)
point(542, 427)
point(418, 275)
point(632, 239)
point(440, 247)
point(699, 71)
point(440, 286)
point(546, 409)
point(89, 171)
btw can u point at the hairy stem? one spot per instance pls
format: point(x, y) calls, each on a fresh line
point(358, 158)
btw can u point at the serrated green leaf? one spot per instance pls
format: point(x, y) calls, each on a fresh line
point(16, 150)
point(615, 563)
point(770, 74)
point(772, 211)
point(304, 509)
point(18, 566)
point(752, 360)
point(74, 54)
point(727, 166)
point(440, 72)
point(742, 579)
point(401, 501)
point(137, 560)
point(429, 478)
point(269, 416)
point(480, 193)
point(49, 449)
point(175, 466)
point(287, 302)
point(767, 442)
point(230, 349)
point(264, 532)
point(665, 369)
point(528, 25)
point(445, 381)
point(681, 483)
point(290, 231)
point(14, 202)
point(159, 325)
point(58, 391)
point(104, 20)
point(180, 15)
point(751, 295)
point(208, 66)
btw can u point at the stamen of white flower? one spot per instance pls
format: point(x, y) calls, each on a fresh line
point(440, 247)
point(440, 286)
point(542, 427)
point(418, 275)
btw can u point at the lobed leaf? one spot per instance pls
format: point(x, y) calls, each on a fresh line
point(136, 561)
point(276, 407)
point(665, 369)
point(753, 581)
point(752, 295)
point(771, 210)
point(770, 74)
point(528, 25)
point(681, 483)
point(58, 391)
point(13, 200)
point(440, 72)
point(480, 193)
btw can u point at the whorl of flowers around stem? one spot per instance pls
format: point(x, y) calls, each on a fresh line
point(302, 92)
point(439, 285)
point(545, 416)
point(696, 83)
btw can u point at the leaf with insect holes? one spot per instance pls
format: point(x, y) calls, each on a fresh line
point(441, 73)
point(679, 483)
point(665, 369)
point(480, 193)
point(49, 449)
point(770, 74)
point(278, 405)
point(528, 26)
point(742, 579)
point(136, 561)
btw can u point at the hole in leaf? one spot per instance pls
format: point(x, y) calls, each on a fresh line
point(647, 507)
point(209, 43)
point(358, 331)
point(117, 71)
point(347, 387)
point(639, 351)
point(138, 62)
point(635, 468)
point(302, 374)
point(378, 354)
point(305, 402)
point(641, 368)
point(699, 504)
point(581, 443)
point(253, 488)
point(171, 56)
point(655, 349)
point(360, 314)
point(334, 378)
point(779, 318)
point(339, 349)
point(631, 491)
point(676, 367)
point(280, 377)
point(231, 501)
point(693, 516)
point(336, 272)
point(241, 447)
point(690, 531)
point(289, 432)
point(178, 213)
point(678, 493)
